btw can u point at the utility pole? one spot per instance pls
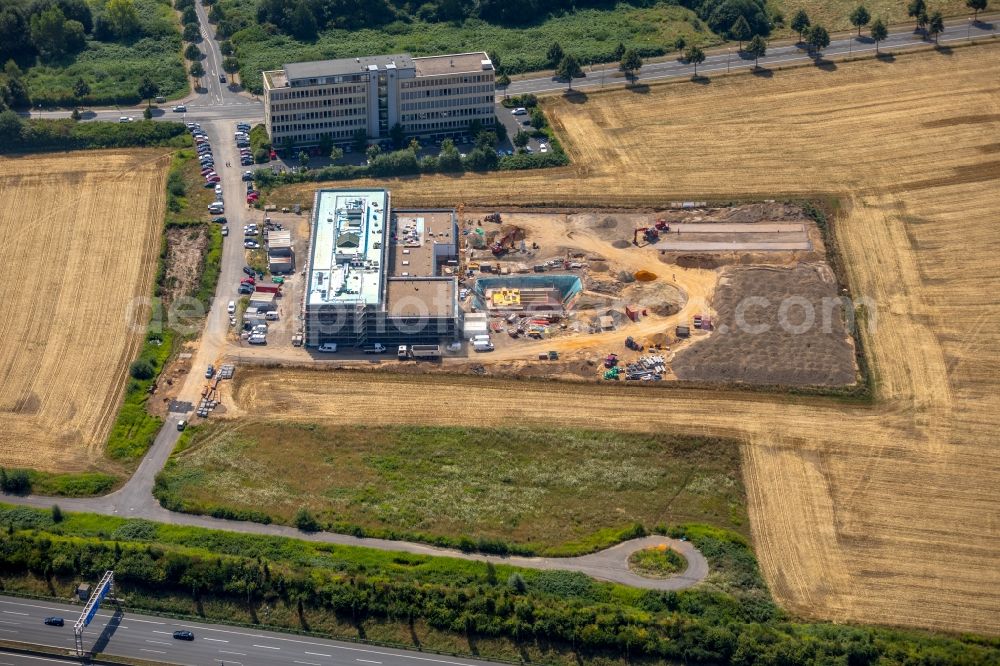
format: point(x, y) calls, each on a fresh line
point(729, 51)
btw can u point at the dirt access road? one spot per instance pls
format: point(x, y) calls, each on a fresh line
point(882, 514)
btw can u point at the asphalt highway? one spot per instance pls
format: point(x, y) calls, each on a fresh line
point(127, 634)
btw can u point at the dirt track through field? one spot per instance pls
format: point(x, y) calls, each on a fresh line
point(885, 514)
point(79, 238)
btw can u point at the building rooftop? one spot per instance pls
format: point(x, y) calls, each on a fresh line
point(418, 298)
point(348, 234)
point(341, 66)
point(277, 240)
point(453, 64)
point(415, 235)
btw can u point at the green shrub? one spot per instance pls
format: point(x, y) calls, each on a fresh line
point(142, 369)
point(305, 521)
point(15, 481)
point(65, 134)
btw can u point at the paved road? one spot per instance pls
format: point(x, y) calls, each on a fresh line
point(721, 60)
point(148, 637)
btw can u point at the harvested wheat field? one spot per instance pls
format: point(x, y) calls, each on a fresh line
point(884, 514)
point(79, 236)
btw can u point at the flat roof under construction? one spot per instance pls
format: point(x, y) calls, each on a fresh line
point(348, 234)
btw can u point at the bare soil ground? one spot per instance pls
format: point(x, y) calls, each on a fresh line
point(79, 234)
point(185, 247)
point(883, 514)
point(774, 325)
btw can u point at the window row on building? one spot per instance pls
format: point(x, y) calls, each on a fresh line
point(467, 111)
point(446, 103)
point(314, 115)
point(445, 92)
point(451, 80)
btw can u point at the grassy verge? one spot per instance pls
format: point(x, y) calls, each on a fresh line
point(552, 492)
point(135, 428)
point(445, 604)
point(40, 135)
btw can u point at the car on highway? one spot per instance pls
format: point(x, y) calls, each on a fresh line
point(184, 635)
point(54, 621)
point(180, 108)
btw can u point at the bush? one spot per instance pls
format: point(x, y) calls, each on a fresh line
point(141, 369)
point(15, 482)
point(305, 521)
point(57, 514)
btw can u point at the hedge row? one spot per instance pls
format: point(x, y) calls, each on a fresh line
point(30, 135)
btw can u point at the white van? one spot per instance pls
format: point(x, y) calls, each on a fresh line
point(329, 347)
point(482, 346)
point(271, 316)
point(482, 337)
point(231, 308)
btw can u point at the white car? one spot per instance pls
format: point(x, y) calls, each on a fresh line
point(543, 148)
point(125, 119)
point(328, 347)
point(520, 111)
point(225, 231)
point(231, 308)
point(180, 108)
point(251, 245)
point(216, 208)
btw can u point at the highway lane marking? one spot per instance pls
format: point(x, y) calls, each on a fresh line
point(10, 631)
point(242, 654)
point(215, 640)
point(334, 647)
point(14, 613)
point(369, 661)
point(153, 651)
point(318, 654)
point(307, 663)
point(162, 632)
point(267, 647)
point(8, 622)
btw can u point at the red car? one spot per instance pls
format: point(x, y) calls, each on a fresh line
point(212, 179)
point(252, 198)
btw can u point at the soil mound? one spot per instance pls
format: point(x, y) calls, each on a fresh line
point(645, 276)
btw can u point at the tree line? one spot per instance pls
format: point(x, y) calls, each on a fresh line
point(568, 610)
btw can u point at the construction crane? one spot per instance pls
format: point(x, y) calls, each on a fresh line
point(649, 234)
point(501, 246)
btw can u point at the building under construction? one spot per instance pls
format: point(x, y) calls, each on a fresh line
point(528, 299)
point(379, 275)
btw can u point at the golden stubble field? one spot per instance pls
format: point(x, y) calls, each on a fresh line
point(885, 514)
point(79, 237)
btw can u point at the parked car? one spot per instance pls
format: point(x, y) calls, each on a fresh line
point(231, 308)
point(520, 111)
point(219, 220)
point(327, 348)
point(245, 289)
point(248, 175)
point(376, 348)
point(181, 425)
point(251, 245)
point(54, 621)
point(213, 179)
point(257, 339)
point(180, 108)
point(218, 190)
point(225, 231)
point(222, 78)
point(216, 208)
point(125, 119)
point(209, 371)
point(249, 271)
point(184, 635)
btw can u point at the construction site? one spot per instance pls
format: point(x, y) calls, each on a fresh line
point(653, 295)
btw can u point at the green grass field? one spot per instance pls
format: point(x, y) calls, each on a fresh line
point(553, 491)
point(113, 70)
point(590, 34)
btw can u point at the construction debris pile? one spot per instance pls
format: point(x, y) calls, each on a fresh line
point(210, 394)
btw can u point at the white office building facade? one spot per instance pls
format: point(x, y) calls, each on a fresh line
point(436, 96)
